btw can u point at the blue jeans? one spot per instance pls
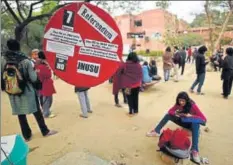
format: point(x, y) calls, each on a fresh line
point(166, 74)
point(194, 127)
point(199, 81)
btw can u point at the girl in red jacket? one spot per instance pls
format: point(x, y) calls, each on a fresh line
point(186, 114)
point(44, 73)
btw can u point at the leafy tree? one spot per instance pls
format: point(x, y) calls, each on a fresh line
point(23, 14)
point(210, 8)
point(190, 39)
point(26, 22)
point(163, 4)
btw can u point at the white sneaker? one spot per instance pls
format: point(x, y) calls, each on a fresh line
point(195, 156)
point(152, 134)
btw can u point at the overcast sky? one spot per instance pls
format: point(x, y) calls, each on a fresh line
point(182, 9)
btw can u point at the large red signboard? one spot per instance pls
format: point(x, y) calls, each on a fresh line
point(83, 44)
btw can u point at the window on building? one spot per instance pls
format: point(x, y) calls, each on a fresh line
point(138, 23)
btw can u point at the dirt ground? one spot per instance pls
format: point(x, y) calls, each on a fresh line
point(110, 134)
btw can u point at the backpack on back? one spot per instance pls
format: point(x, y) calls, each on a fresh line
point(175, 144)
point(13, 81)
point(177, 58)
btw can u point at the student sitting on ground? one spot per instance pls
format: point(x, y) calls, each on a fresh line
point(153, 70)
point(186, 114)
point(146, 78)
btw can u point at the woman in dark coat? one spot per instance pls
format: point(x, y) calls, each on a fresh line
point(129, 77)
point(227, 73)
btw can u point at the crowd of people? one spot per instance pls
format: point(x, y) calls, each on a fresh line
point(29, 84)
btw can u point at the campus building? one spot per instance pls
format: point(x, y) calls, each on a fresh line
point(145, 31)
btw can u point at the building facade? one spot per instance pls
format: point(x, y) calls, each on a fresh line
point(145, 31)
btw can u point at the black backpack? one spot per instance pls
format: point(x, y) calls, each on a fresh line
point(177, 58)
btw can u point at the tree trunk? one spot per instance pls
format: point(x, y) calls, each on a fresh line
point(209, 19)
point(18, 33)
point(223, 29)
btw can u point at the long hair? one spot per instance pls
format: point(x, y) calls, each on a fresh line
point(133, 57)
point(41, 55)
point(189, 102)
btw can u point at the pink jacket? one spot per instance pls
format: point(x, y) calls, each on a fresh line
point(195, 111)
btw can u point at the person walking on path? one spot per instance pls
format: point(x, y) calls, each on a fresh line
point(227, 73)
point(129, 77)
point(183, 59)
point(46, 93)
point(177, 63)
point(83, 100)
point(167, 63)
point(200, 70)
point(27, 102)
point(194, 55)
point(189, 54)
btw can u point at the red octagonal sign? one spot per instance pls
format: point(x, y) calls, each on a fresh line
point(83, 44)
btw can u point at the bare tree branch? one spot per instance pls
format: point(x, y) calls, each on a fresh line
point(12, 12)
point(3, 10)
point(28, 20)
point(230, 3)
point(19, 10)
point(31, 7)
point(98, 3)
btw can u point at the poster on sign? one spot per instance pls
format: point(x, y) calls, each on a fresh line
point(83, 44)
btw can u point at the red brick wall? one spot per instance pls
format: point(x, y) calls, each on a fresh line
point(153, 21)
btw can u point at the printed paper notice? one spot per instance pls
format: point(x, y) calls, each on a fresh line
point(101, 45)
point(64, 36)
point(97, 23)
point(99, 53)
point(88, 68)
point(60, 48)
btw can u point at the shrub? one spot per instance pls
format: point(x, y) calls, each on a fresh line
point(155, 53)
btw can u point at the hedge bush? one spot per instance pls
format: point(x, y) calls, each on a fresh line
point(156, 53)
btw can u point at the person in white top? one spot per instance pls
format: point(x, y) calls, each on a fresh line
point(34, 56)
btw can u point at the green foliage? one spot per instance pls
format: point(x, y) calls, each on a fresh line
point(163, 4)
point(225, 41)
point(190, 39)
point(218, 17)
point(48, 6)
point(170, 39)
point(7, 29)
point(156, 53)
point(184, 40)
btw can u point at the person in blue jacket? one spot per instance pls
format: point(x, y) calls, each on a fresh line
point(145, 73)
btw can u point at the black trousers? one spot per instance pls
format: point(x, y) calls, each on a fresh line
point(227, 86)
point(133, 100)
point(25, 128)
point(117, 99)
point(216, 67)
point(182, 68)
